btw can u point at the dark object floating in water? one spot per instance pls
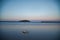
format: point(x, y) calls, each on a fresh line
point(25, 32)
point(24, 21)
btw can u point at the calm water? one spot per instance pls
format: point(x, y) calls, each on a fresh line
point(36, 31)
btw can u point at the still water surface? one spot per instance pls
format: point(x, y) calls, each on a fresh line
point(36, 31)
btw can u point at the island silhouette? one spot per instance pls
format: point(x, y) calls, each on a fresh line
point(24, 21)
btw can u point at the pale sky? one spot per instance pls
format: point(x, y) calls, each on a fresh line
point(29, 10)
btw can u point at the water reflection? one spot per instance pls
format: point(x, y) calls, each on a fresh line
point(30, 31)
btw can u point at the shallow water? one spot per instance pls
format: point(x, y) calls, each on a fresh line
point(36, 31)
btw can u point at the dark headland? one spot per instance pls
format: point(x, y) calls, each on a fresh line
point(24, 21)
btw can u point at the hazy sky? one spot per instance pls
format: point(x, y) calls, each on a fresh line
point(29, 10)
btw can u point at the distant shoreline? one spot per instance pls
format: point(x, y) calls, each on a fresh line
point(35, 22)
